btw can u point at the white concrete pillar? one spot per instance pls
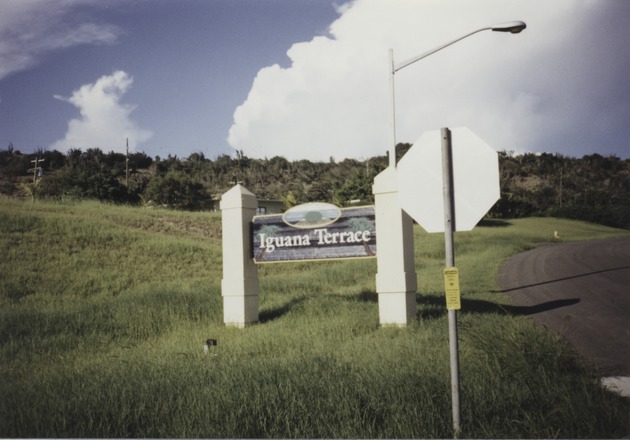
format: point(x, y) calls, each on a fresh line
point(239, 287)
point(396, 281)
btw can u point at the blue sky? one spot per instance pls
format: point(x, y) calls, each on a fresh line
point(308, 78)
point(192, 63)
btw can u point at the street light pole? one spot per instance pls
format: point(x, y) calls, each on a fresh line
point(392, 93)
point(513, 27)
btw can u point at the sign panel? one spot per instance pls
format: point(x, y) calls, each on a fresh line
point(475, 180)
point(314, 231)
point(451, 287)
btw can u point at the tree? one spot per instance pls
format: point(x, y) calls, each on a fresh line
point(176, 190)
point(357, 187)
point(289, 200)
point(30, 188)
point(319, 192)
point(139, 161)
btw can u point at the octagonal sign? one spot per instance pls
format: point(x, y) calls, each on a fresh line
point(475, 180)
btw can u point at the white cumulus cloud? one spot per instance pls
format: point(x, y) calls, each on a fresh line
point(30, 29)
point(528, 92)
point(105, 122)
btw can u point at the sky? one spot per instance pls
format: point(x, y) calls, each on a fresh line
point(310, 79)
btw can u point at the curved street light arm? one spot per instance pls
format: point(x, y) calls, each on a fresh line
point(404, 64)
point(513, 27)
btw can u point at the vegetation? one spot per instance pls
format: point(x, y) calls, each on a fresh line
point(104, 310)
point(592, 188)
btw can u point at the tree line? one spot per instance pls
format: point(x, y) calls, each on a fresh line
point(593, 188)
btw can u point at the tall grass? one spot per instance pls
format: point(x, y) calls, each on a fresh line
point(104, 310)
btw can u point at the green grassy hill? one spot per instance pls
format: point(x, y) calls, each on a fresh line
point(104, 311)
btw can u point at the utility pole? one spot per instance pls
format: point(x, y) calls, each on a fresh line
point(561, 170)
point(36, 169)
point(127, 166)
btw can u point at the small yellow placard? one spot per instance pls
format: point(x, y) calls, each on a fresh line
point(451, 287)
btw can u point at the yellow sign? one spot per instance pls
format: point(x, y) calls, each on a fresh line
point(451, 287)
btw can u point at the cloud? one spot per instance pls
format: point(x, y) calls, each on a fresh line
point(29, 29)
point(105, 122)
point(555, 86)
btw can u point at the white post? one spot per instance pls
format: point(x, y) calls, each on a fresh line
point(239, 286)
point(396, 281)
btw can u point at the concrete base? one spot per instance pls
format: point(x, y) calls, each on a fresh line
point(240, 311)
point(396, 309)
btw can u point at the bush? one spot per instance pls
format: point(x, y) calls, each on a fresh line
point(177, 190)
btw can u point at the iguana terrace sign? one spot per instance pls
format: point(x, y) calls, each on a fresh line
point(311, 231)
point(314, 231)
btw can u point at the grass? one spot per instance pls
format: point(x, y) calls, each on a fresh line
point(104, 310)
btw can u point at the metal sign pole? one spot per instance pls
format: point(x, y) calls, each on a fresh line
point(449, 227)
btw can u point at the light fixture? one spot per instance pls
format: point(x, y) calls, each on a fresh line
point(513, 27)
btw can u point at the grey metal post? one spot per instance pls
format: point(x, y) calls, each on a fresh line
point(392, 95)
point(449, 228)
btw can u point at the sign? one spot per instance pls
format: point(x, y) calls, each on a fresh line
point(475, 180)
point(451, 287)
point(314, 231)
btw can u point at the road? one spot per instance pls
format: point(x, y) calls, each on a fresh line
point(582, 291)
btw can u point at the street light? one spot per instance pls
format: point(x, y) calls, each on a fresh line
point(513, 27)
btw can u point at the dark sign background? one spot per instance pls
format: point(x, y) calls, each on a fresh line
point(351, 220)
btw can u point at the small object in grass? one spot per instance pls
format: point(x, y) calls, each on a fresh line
point(209, 343)
point(556, 235)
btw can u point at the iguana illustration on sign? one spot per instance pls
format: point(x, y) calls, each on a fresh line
point(314, 231)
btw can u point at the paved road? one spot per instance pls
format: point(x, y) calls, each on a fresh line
point(582, 291)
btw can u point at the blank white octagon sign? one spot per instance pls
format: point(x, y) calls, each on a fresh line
point(475, 180)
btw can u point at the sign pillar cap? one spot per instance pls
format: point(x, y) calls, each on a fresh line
point(238, 197)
